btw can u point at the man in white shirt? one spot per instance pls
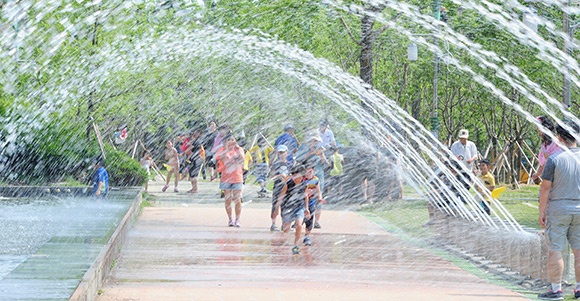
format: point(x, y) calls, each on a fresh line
point(326, 135)
point(465, 150)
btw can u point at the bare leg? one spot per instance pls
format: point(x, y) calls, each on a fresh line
point(364, 187)
point(177, 178)
point(193, 184)
point(237, 198)
point(577, 264)
point(168, 178)
point(298, 232)
point(371, 191)
point(317, 214)
point(556, 266)
point(286, 227)
point(228, 203)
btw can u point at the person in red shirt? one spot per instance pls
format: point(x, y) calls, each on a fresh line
point(230, 163)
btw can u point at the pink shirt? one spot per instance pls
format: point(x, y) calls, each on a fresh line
point(547, 151)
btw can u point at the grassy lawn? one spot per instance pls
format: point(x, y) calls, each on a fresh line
point(409, 215)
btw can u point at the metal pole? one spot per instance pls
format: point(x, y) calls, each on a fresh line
point(567, 50)
point(434, 116)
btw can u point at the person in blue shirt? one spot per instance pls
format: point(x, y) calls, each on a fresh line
point(101, 179)
point(288, 139)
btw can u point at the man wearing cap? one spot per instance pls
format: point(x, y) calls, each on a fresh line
point(559, 210)
point(289, 139)
point(465, 150)
point(101, 179)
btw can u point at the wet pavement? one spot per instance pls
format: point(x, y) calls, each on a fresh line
point(182, 249)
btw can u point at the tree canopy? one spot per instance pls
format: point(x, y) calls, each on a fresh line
point(162, 68)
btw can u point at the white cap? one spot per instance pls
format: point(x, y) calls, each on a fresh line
point(464, 134)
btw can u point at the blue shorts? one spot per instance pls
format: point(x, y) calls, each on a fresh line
point(561, 228)
point(261, 171)
point(291, 215)
point(231, 186)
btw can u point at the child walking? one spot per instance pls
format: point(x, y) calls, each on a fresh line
point(488, 181)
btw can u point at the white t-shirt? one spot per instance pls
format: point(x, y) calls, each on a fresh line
point(464, 152)
point(327, 138)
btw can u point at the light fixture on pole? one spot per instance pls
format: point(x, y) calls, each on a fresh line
point(530, 22)
point(412, 54)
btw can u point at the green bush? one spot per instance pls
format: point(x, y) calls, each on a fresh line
point(122, 169)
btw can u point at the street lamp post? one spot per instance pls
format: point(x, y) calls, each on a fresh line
point(412, 56)
point(435, 116)
point(568, 47)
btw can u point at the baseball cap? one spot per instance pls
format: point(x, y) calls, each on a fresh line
point(288, 127)
point(464, 133)
point(281, 148)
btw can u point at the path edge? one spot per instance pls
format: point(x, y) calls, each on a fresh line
point(96, 275)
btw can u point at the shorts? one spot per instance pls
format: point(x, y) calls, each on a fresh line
point(231, 186)
point(292, 214)
point(194, 167)
point(261, 171)
point(561, 228)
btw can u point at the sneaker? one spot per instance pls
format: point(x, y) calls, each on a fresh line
point(273, 228)
point(238, 223)
point(295, 250)
point(175, 190)
point(164, 188)
point(263, 190)
point(231, 223)
point(307, 241)
point(550, 295)
point(317, 225)
point(576, 294)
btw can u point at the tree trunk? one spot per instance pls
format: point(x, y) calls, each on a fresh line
point(366, 56)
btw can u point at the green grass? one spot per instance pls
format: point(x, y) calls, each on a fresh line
point(408, 216)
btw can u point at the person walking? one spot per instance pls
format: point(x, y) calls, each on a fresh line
point(547, 148)
point(288, 138)
point(559, 210)
point(261, 153)
point(147, 162)
point(313, 198)
point(207, 143)
point(278, 173)
point(194, 158)
point(172, 158)
point(230, 163)
point(465, 150)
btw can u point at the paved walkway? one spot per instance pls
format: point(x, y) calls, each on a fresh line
point(181, 249)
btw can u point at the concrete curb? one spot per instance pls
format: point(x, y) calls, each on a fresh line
point(96, 275)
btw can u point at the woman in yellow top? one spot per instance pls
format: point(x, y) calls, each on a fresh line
point(261, 153)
